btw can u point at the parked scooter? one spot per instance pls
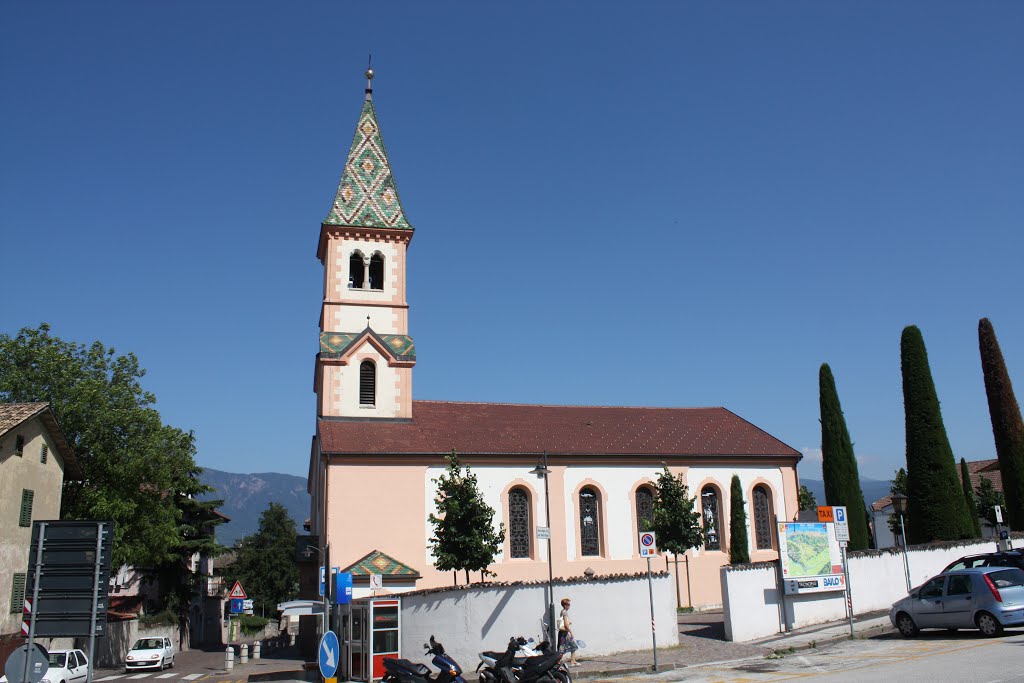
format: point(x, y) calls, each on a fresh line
point(405, 671)
point(521, 663)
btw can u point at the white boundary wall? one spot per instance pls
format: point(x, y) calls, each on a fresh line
point(609, 615)
point(754, 608)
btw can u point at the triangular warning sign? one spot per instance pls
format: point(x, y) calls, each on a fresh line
point(236, 591)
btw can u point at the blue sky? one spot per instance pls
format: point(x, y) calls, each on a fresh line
point(666, 204)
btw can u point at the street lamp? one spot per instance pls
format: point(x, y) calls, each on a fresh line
point(327, 577)
point(899, 506)
point(541, 470)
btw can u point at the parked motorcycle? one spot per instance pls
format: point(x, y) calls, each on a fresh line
point(521, 662)
point(405, 671)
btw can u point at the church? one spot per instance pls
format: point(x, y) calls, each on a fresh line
point(376, 450)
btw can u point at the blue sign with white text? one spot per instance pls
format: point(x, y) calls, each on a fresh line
point(342, 588)
point(329, 654)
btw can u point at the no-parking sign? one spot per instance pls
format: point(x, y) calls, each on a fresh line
point(648, 547)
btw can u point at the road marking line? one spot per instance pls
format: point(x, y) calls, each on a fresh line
point(110, 678)
point(167, 675)
point(192, 677)
point(140, 676)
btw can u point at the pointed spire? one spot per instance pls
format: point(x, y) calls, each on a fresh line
point(367, 195)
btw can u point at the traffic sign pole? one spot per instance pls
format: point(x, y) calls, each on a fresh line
point(650, 592)
point(95, 596)
point(35, 596)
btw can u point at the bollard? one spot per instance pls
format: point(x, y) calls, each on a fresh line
point(244, 657)
point(229, 659)
point(256, 650)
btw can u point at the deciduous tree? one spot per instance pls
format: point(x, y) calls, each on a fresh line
point(938, 511)
point(838, 464)
point(133, 464)
point(464, 535)
point(739, 546)
point(988, 499)
point(676, 521)
point(805, 499)
point(1007, 427)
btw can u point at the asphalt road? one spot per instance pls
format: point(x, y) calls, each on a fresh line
point(933, 657)
point(197, 666)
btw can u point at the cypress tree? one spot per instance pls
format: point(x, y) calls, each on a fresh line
point(936, 504)
point(739, 546)
point(838, 464)
point(972, 508)
point(1007, 427)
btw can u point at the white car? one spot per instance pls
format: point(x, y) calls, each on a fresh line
point(66, 666)
point(155, 652)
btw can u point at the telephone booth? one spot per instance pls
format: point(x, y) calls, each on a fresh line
point(373, 635)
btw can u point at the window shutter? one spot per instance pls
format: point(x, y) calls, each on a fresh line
point(25, 519)
point(45, 452)
point(367, 383)
point(17, 593)
point(19, 446)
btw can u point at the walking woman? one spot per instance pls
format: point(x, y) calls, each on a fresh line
point(566, 641)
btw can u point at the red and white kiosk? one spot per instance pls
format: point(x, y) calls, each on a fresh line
point(374, 633)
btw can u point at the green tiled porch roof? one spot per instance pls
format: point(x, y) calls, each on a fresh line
point(334, 344)
point(379, 563)
point(367, 195)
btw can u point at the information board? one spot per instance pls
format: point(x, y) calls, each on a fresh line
point(811, 558)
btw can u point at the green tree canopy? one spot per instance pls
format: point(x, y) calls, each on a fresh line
point(988, 499)
point(938, 511)
point(135, 467)
point(838, 464)
point(739, 545)
point(265, 561)
point(464, 535)
point(1007, 427)
point(675, 521)
point(972, 508)
point(805, 499)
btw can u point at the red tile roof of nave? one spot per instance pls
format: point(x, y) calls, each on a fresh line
point(504, 428)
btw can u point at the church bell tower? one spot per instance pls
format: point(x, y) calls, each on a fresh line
point(364, 367)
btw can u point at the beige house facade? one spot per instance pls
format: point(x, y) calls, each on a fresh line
point(35, 459)
point(377, 452)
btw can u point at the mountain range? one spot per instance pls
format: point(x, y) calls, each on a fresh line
point(873, 489)
point(246, 496)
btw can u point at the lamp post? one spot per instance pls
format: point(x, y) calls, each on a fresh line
point(541, 470)
point(899, 506)
point(327, 577)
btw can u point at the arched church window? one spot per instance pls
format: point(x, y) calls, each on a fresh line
point(367, 383)
point(762, 518)
point(712, 513)
point(519, 522)
point(644, 508)
point(356, 271)
point(377, 271)
point(590, 522)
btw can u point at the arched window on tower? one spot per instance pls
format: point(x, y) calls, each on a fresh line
point(590, 522)
point(377, 271)
point(712, 512)
point(367, 383)
point(356, 271)
point(519, 522)
point(644, 508)
point(762, 518)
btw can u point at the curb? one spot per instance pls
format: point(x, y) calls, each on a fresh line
point(625, 671)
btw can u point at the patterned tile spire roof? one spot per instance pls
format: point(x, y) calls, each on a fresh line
point(367, 195)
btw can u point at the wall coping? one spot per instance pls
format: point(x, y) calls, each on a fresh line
point(572, 580)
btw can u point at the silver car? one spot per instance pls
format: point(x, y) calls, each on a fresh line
point(985, 598)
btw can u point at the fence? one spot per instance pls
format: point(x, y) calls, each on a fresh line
point(754, 607)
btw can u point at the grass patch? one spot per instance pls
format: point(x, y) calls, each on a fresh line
point(251, 624)
point(684, 610)
point(779, 654)
point(164, 618)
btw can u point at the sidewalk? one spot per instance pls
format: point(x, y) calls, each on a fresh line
point(701, 643)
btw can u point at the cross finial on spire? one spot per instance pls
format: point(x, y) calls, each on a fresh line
point(369, 77)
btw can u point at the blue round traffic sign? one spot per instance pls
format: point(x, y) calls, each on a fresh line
point(329, 654)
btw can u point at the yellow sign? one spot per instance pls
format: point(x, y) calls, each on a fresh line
point(331, 680)
point(825, 513)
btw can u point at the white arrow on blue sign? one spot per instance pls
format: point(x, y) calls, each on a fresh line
point(330, 651)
